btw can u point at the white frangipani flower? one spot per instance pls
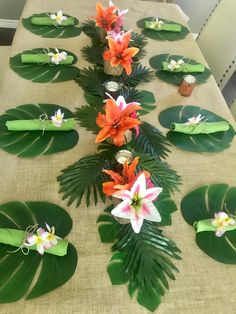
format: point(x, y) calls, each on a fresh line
point(221, 221)
point(158, 23)
point(174, 65)
point(56, 57)
point(39, 239)
point(195, 120)
point(58, 17)
point(57, 119)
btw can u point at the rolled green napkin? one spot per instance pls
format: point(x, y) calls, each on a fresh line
point(168, 27)
point(42, 58)
point(47, 21)
point(36, 125)
point(185, 67)
point(16, 237)
point(206, 225)
point(200, 128)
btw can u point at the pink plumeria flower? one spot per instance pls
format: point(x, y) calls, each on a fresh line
point(51, 237)
point(58, 118)
point(39, 239)
point(195, 120)
point(221, 221)
point(137, 204)
point(58, 17)
point(174, 65)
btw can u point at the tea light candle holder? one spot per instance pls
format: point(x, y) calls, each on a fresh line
point(123, 156)
point(187, 85)
point(112, 88)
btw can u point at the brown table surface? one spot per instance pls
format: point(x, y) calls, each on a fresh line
point(203, 285)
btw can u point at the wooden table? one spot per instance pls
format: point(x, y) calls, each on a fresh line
point(203, 285)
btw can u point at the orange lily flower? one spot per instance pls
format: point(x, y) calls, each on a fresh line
point(125, 180)
point(115, 122)
point(105, 17)
point(119, 53)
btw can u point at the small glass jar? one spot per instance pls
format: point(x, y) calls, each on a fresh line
point(124, 155)
point(112, 88)
point(187, 85)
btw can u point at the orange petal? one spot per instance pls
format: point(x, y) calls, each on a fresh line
point(103, 134)
point(108, 188)
point(118, 138)
point(128, 123)
point(101, 120)
point(128, 110)
point(114, 175)
point(113, 112)
point(130, 52)
point(129, 171)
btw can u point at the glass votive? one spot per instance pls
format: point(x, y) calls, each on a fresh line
point(124, 155)
point(112, 88)
point(187, 85)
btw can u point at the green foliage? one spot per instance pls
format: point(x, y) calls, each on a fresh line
point(162, 35)
point(141, 260)
point(93, 54)
point(161, 173)
point(89, 28)
point(43, 73)
point(203, 203)
point(139, 74)
point(145, 98)
point(92, 80)
point(34, 143)
point(176, 77)
point(86, 115)
point(18, 270)
point(139, 41)
point(84, 179)
point(150, 141)
point(51, 31)
point(212, 143)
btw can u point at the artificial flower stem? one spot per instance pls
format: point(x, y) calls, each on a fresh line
point(15, 237)
point(47, 21)
point(43, 58)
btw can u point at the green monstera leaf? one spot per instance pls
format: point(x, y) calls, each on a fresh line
point(214, 142)
point(51, 31)
point(203, 203)
point(34, 143)
point(18, 270)
point(44, 73)
point(162, 35)
point(173, 77)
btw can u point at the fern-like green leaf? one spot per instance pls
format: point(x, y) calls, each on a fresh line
point(86, 115)
point(150, 141)
point(138, 75)
point(89, 28)
point(83, 178)
point(139, 41)
point(161, 173)
point(140, 259)
point(91, 80)
point(93, 54)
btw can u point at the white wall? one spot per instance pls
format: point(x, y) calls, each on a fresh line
point(11, 9)
point(198, 11)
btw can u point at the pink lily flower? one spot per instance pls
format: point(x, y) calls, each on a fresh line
point(137, 204)
point(120, 19)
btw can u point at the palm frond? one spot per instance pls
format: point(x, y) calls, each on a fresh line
point(93, 54)
point(161, 173)
point(84, 179)
point(86, 115)
point(91, 80)
point(140, 259)
point(138, 75)
point(151, 141)
point(89, 28)
point(139, 41)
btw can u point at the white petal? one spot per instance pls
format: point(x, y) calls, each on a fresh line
point(53, 16)
point(31, 239)
point(150, 212)
point(123, 194)
point(40, 249)
point(139, 186)
point(123, 210)
point(152, 193)
point(136, 224)
point(121, 103)
point(172, 62)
